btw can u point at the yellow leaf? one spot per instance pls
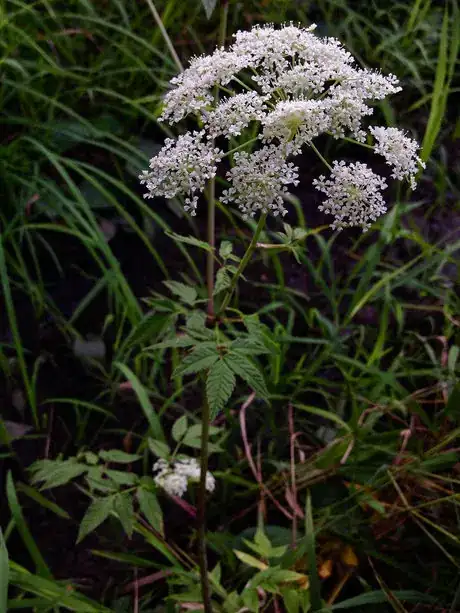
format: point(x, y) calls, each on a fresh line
point(325, 570)
point(250, 560)
point(349, 557)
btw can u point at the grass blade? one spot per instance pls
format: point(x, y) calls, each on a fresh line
point(23, 528)
point(4, 574)
point(315, 586)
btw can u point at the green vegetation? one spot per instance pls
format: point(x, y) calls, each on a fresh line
point(336, 457)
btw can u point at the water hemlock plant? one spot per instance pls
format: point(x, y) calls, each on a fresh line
point(258, 106)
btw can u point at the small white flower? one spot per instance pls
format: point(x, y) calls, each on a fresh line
point(295, 123)
point(192, 91)
point(353, 195)
point(234, 114)
point(174, 479)
point(346, 112)
point(399, 151)
point(182, 167)
point(258, 181)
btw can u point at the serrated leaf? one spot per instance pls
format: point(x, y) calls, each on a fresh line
point(200, 359)
point(122, 478)
point(219, 386)
point(97, 513)
point(242, 366)
point(209, 6)
point(179, 428)
point(249, 560)
point(226, 249)
point(249, 346)
point(118, 456)
point(196, 326)
point(159, 448)
point(124, 509)
point(180, 341)
point(185, 293)
point(98, 482)
point(223, 280)
point(59, 474)
point(189, 240)
point(150, 507)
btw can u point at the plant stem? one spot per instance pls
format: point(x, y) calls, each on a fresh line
point(320, 156)
point(165, 35)
point(201, 515)
point(205, 418)
point(211, 236)
point(244, 262)
point(211, 233)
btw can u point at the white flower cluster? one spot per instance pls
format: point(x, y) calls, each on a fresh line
point(174, 478)
point(399, 151)
point(288, 86)
point(231, 116)
point(353, 195)
point(258, 181)
point(183, 166)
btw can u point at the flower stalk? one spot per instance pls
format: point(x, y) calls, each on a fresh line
point(244, 262)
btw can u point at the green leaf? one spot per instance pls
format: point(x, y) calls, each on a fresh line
point(97, 512)
point(149, 506)
point(42, 500)
point(232, 602)
point(196, 326)
point(121, 477)
point(242, 366)
point(201, 358)
point(118, 456)
point(23, 529)
point(57, 473)
point(189, 240)
point(185, 293)
point(226, 249)
point(223, 280)
point(263, 542)
point(124, 509)
point(159, 448)
point(52, 593)
point(292, 600)
point(182, 340)
point(251, 599)
point(4, 574)
point(249, 346)
point(179, 428)
point(315, 586)
point(452, 409)
point(219, 386)
point(379, 597)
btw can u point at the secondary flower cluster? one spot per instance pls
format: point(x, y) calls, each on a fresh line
point(174, 478)
point(287, 86)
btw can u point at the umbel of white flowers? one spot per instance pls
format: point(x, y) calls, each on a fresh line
point(174, 478)
point(287, 86)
